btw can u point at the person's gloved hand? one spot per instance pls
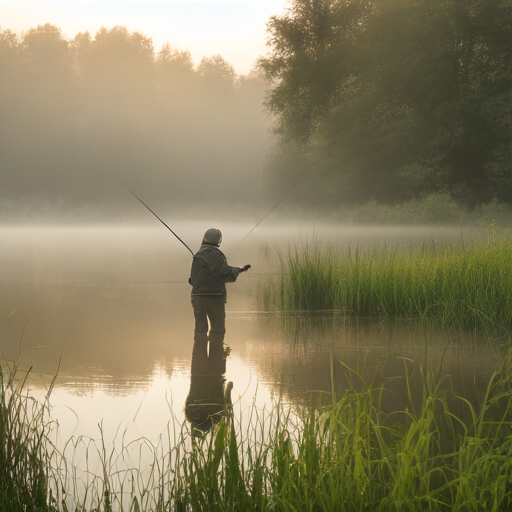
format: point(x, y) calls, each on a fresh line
point(245, 268)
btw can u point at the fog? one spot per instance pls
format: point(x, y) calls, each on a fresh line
point(82, 118)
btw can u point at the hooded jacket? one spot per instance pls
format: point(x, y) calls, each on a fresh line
point(210, 272)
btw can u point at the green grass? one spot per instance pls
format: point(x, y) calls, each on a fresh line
point(25, 446)
point(466, 284)
point(346, 455)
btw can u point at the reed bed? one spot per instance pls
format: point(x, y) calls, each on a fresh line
point(346, 455)
point(26, 451)
point(467, 284)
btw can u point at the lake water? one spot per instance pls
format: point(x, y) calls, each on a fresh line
point(115, 302)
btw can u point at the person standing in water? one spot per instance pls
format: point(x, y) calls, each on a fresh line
point(208, 276)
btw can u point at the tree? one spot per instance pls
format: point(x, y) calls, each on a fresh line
point(406, 96)
point(81, 117)
point(218, 78)
point(9, 65)
point(117, 68)
point(313, 52)
point(46, 50)
point(176, 78)
point(47, 71)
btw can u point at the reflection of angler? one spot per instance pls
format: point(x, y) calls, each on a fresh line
point(207, 399)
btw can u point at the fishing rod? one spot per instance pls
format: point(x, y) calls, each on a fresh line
point(193, 255)
point(284, 197)
point(205, 267)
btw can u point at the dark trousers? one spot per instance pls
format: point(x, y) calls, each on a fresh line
point(209, 308)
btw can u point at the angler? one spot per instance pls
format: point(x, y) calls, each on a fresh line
point(208, 276)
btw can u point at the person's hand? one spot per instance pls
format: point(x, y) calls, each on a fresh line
point(245, 268)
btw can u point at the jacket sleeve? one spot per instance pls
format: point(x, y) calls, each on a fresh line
point(228, 273)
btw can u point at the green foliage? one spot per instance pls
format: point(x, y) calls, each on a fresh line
point(24, 444)
point(468, 284)
point(407, 97)
point(433, 209)
point(348, 455)
point(351, 456)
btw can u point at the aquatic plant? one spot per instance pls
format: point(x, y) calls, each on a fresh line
point(462, 283)
point(346, 455)
point(25, 447)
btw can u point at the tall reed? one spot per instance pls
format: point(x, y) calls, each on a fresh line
point(25, 447)
point(463, 283)
point(347, 455)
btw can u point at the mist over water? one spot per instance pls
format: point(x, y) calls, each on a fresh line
point(95, 290)
point(115, 302)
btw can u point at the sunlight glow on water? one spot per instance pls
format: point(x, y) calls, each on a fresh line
point(145, 411)
point(116, 303)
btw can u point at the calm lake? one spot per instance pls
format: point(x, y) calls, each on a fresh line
point(115, 302)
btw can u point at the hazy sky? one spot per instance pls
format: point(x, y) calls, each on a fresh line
point(234, 29)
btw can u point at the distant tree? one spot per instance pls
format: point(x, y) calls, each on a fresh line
point(46, 63)
point(79, 49)
point(173, 58)
point(9, 47)
point(46, 49)
point(118, 70)
point(217, 75)
point(121, 53)
point(10, 91)
point(177, 79)
point(81, 117)
point(215, 100)
point(9, 63)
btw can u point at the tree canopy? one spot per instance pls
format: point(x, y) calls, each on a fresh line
point(81, 117)
point(404, 97)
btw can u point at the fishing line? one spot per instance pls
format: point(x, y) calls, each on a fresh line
point(202, 263)
point(285, 196)
point(160, 220)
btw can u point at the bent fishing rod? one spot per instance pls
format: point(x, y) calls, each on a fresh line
point(193, 255)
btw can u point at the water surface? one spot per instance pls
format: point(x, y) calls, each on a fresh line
point(115, 302)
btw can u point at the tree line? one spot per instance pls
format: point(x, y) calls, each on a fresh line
point(81, 117)
point(399, 98)
point(391, 100)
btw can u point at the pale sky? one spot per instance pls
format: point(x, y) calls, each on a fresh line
point(234, 29)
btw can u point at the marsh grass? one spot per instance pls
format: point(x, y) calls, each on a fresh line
point(25, 449)
point(347, 454)
point(467, 284)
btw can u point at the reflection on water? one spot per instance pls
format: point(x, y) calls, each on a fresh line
point(308, 356)
point(206, 400)
point(116, 303)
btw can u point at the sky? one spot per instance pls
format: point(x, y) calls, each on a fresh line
point(235, 29)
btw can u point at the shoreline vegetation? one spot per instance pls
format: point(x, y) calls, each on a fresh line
point(440, 452)
point(346, 451)
point(463, 283)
